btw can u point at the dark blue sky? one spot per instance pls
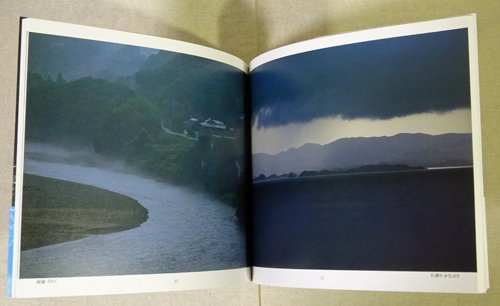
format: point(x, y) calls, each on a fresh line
point(379, 79)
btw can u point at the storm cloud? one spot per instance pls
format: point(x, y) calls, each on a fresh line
point(382, 79)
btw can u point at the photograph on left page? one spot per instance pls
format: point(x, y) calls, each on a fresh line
point(133, 161)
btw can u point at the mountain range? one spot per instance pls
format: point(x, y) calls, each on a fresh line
point(418, 150)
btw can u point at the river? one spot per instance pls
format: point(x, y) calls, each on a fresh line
point(186, 231)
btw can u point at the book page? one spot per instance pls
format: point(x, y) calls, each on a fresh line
point(366, 158)
point(130, 171)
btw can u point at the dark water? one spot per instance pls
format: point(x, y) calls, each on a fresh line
point(408, 221)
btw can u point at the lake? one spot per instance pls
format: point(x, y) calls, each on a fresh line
point(420, 220)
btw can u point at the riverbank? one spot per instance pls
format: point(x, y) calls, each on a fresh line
point(51, 216)
point(186, 231)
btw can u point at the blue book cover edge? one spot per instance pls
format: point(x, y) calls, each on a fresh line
point(10, 255)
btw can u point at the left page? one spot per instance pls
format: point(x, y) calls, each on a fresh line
point(130, 164)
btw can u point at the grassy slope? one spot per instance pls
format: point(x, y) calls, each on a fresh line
point(56, 211)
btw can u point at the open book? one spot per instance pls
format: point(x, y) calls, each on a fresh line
point(345, 162)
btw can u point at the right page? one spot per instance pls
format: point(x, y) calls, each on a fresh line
point(366, 156)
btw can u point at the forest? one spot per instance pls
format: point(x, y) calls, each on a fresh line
point(145, 117)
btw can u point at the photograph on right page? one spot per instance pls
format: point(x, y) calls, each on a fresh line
point(362, 157)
